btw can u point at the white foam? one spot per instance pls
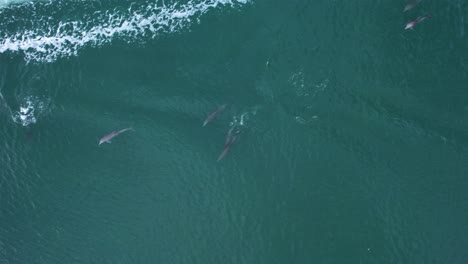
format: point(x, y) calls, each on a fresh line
point(4, 3)
point(67, 38)
point(29, 110)
point(244, 118)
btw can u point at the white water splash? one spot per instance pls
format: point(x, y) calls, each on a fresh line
point(29, 110)
point(244, 118)
point(67, 38)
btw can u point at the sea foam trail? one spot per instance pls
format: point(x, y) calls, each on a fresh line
point(11, 2)
point(66, 38)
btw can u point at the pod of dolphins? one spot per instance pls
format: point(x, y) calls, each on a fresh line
point(231, 137)
point(409, 6)
point(234, 132)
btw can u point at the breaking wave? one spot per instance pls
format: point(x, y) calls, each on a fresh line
point(45, 39)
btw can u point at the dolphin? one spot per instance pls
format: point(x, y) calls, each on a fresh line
point(107, 138)
point(227, 147)
point(229, 134)
point(411, 5)
point(416, 21)
point(214, 114)
point(231, 138)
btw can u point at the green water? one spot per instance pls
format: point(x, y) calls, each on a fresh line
point(353, 148)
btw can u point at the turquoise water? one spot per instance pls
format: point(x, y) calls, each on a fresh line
point(353, 148)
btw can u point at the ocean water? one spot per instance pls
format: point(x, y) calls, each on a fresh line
point(353, 143)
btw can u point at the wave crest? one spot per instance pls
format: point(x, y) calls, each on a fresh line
point(52, 41)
